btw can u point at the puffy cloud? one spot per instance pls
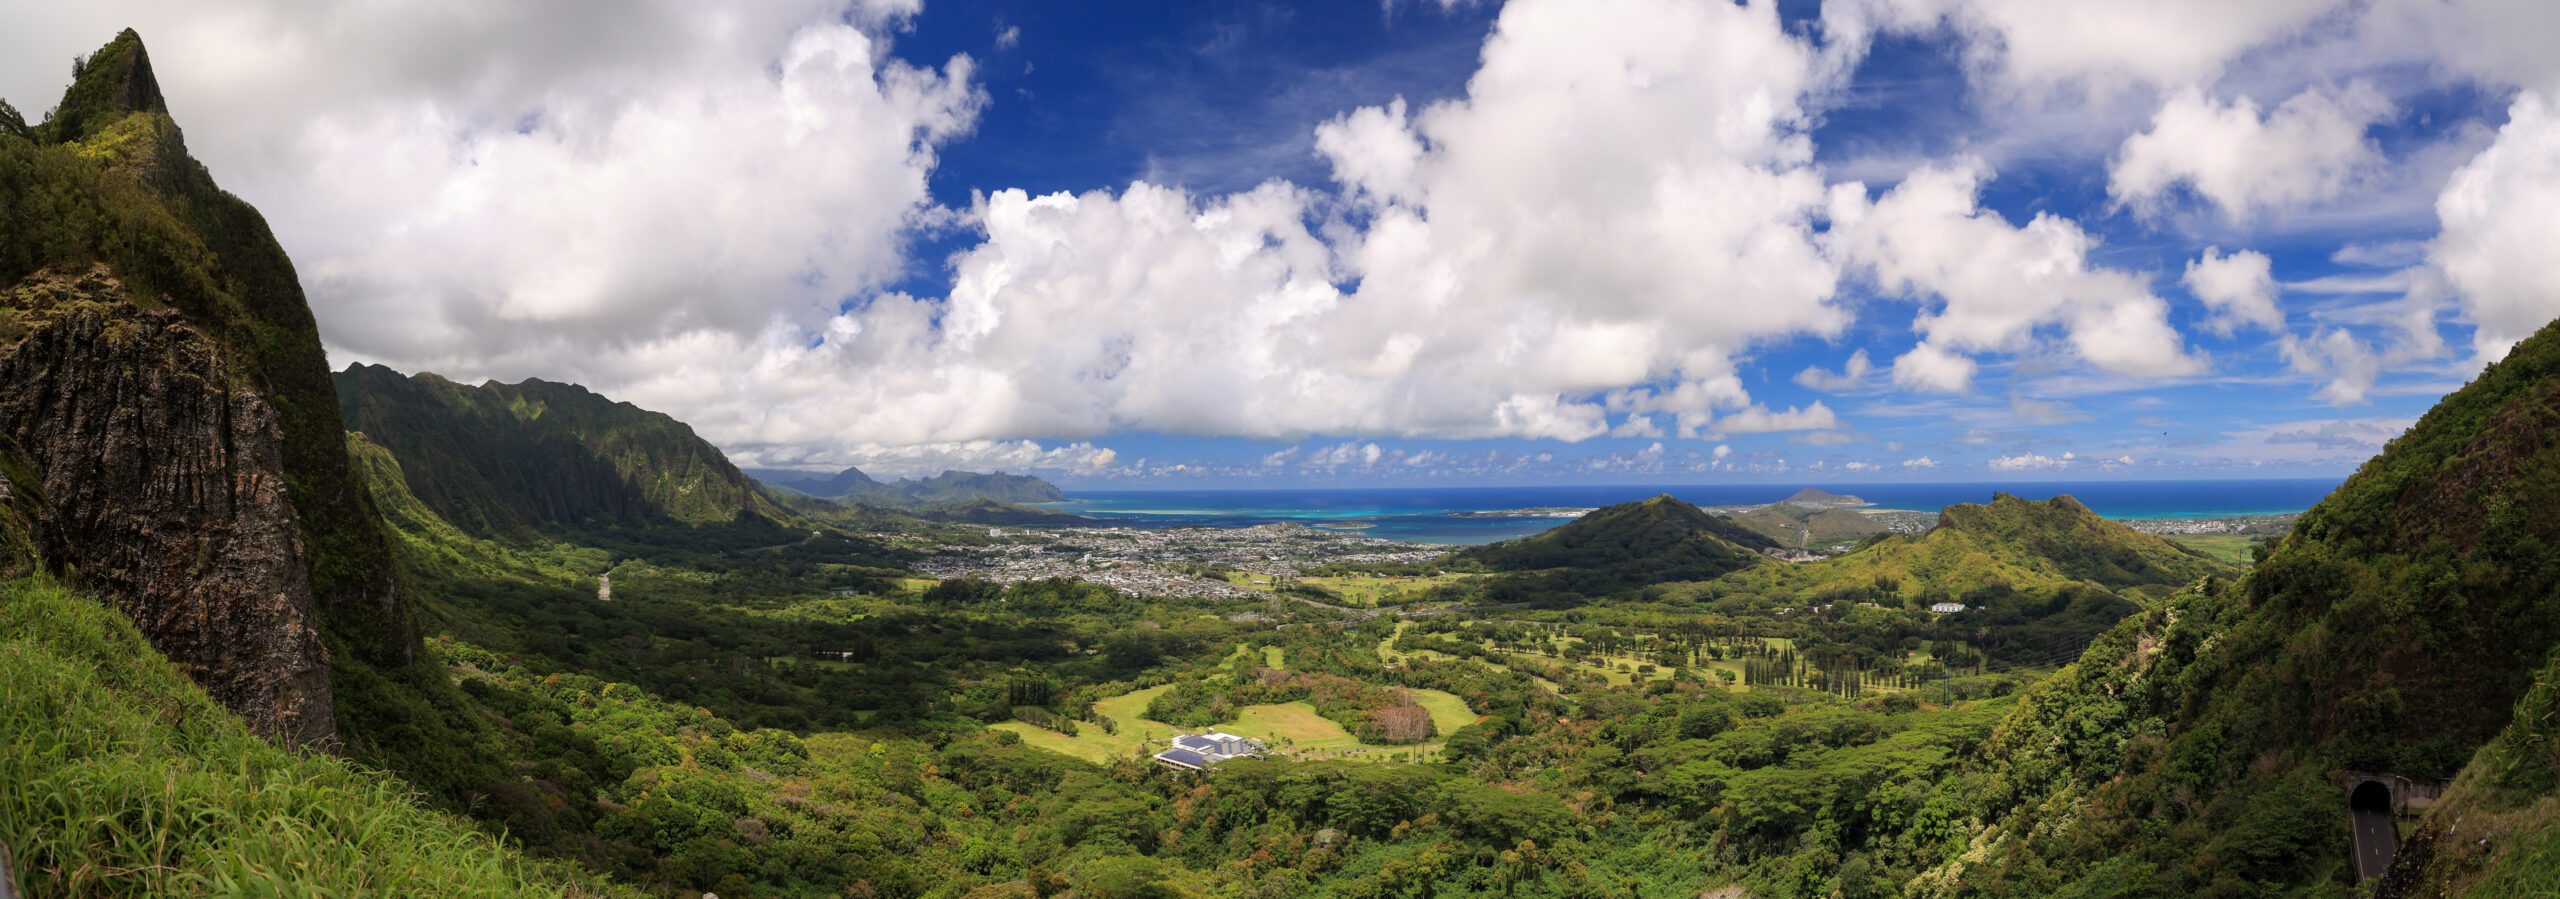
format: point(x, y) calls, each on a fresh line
point(2036, 46)
point(2307, 150)
point(1928, 367)
point(1997, 284)
point(1759, 420)
point(2350, 364)
point(2239, 288)
point(2030, 462)
point(1920, 462)
point(1637, 426)
point(1850, 375)
point(2501, 217)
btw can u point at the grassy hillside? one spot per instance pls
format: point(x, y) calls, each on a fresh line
point(2019, 543)
point(120, 778)
point(508, 459)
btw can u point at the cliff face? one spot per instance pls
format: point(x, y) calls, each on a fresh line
point(163, 487)
point(171, 403)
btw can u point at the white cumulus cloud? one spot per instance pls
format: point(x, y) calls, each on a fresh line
point(1850, 375)
point(2239, 288)
point(1995, 284)
point(2501, 216)
point(2248, 162)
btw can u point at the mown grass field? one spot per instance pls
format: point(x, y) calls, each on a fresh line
point(1293, 725)
point(1078, 746)
point(1448, 712)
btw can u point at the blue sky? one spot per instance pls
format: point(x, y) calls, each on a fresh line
point(1263, 244)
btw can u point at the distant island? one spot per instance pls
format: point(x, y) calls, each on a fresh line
point(1816, 497)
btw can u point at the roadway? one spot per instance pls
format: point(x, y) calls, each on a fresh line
point(2376, 839)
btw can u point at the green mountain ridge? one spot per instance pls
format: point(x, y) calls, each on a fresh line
point(851, 486)
point(515, 458)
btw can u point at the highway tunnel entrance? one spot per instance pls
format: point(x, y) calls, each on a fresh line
point(2371, 795)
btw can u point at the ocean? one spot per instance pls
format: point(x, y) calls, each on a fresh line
point(1423, 514)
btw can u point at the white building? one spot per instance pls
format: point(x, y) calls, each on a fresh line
point(1196, 752)
point(1947, 607)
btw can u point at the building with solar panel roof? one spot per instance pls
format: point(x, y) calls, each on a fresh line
point(1196, 752)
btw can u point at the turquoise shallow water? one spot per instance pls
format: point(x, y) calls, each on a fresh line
point(1422, 514)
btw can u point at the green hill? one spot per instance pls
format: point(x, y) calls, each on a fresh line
point(2406, 625)
point(2015, 543)
point(510, 458)
point(1619, 547)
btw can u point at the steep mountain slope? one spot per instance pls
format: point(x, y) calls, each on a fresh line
point(500, 459)
point(2396, 629)
point(1618, 547)
point(169, 409)
point(2015, 542)
point(851, 486)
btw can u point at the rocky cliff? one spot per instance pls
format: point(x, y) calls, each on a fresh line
point(169, 400)
point(163, 488)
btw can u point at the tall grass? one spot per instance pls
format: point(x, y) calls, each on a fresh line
point(119, 778)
